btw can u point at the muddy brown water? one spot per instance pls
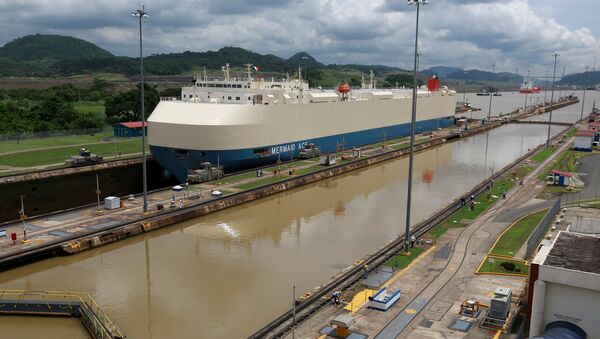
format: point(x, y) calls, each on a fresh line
point(227, 274)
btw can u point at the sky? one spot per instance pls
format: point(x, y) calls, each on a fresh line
point(462, 33)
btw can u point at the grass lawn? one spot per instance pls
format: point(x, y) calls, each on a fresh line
point(401, 261)
point(571, 132)
point(481, 202)
point(59, 155)
point(94, 107)
point(512, 240)
point(544, 154)
point(495, 267)
point(565, 161)
point(11, 145)
point(235, 178)
point(261, 182)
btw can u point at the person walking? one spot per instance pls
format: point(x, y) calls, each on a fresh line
point(412, 241)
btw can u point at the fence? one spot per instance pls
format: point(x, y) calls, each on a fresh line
point(540, 230)
point(47, 134)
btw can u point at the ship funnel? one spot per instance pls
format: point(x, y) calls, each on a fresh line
point(433, 83)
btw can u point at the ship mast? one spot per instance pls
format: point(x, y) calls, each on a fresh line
point(249, 71)
point(371, 75)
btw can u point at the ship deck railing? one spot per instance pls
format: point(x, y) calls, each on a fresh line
point(60, 304)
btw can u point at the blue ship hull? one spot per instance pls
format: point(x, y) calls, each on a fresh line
point(178, 162)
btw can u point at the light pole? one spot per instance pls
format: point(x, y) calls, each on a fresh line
point(491, 95)
point(23, 217)
point(583, 99)
point(526, 93)
point(412, 125)
point(142, 15)
point(546, 87)
point(555, 55)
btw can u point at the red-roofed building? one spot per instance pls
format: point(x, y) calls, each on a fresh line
point(129, 129)
point(559, 178)
point(595, 126)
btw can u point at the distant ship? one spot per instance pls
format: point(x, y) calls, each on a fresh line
point(528, 88)
point(244, 122)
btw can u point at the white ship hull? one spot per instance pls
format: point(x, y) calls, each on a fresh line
point(184, 134)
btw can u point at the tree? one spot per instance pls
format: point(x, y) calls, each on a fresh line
point(126, 106)
point(403, 79)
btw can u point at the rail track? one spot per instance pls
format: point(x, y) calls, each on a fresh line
point(282, 325)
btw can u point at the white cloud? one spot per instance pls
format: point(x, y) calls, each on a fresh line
point(472, 34)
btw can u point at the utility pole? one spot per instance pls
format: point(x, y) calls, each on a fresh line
point(23, 216)
point(546, 87)
point(555, 55)
point(98, 191)
point(583, 99)
point(412, 126)
point(142, 15)
point(294, 312)
point(526, 93)
point(491, 94)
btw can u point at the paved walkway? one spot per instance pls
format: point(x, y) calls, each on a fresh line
point(435, 284)
point(458, 268)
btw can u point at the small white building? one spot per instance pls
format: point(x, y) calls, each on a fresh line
point(584, 141)
point(564, 288)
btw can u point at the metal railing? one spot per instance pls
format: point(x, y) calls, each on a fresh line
point(541, 228)
point(99, 324)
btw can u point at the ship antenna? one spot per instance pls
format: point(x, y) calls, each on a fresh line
point(204, 71)
point(371, 75)
point(362, 82)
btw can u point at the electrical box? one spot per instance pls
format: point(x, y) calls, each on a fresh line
point(111, 203)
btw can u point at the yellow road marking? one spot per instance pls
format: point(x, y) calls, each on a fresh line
point(362, 297)
point(359, 300)
point(414, 262)
point(410, 311)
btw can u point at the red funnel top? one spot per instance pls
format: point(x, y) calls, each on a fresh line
point(433, 84)
point(344, 88)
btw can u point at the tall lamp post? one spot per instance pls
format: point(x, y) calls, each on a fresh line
point(142, 16)
point(411, 159)
point(583, 99)
point(491, 95)
point(555, 55)
point(526, 94)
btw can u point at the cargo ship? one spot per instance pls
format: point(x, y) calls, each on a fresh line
point(528, 88)
point(249, 121)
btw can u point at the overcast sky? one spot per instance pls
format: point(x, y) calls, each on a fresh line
point(462, 33)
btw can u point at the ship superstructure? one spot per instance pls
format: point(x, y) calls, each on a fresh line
point(243, 122)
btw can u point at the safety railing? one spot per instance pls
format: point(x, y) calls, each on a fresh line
point(99, 324)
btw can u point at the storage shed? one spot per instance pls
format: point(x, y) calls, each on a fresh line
point(129, 129)
point(584, 140)
point(559, 178)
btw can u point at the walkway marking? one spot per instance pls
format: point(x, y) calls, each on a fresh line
point(362, 298)
point(412, 263)
point(410, 311)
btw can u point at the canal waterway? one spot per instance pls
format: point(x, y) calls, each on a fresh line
point(509, 101)
point(227, 274)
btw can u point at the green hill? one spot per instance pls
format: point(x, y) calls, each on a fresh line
point(54, 55)
point(590, 78)
point(52, 47)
